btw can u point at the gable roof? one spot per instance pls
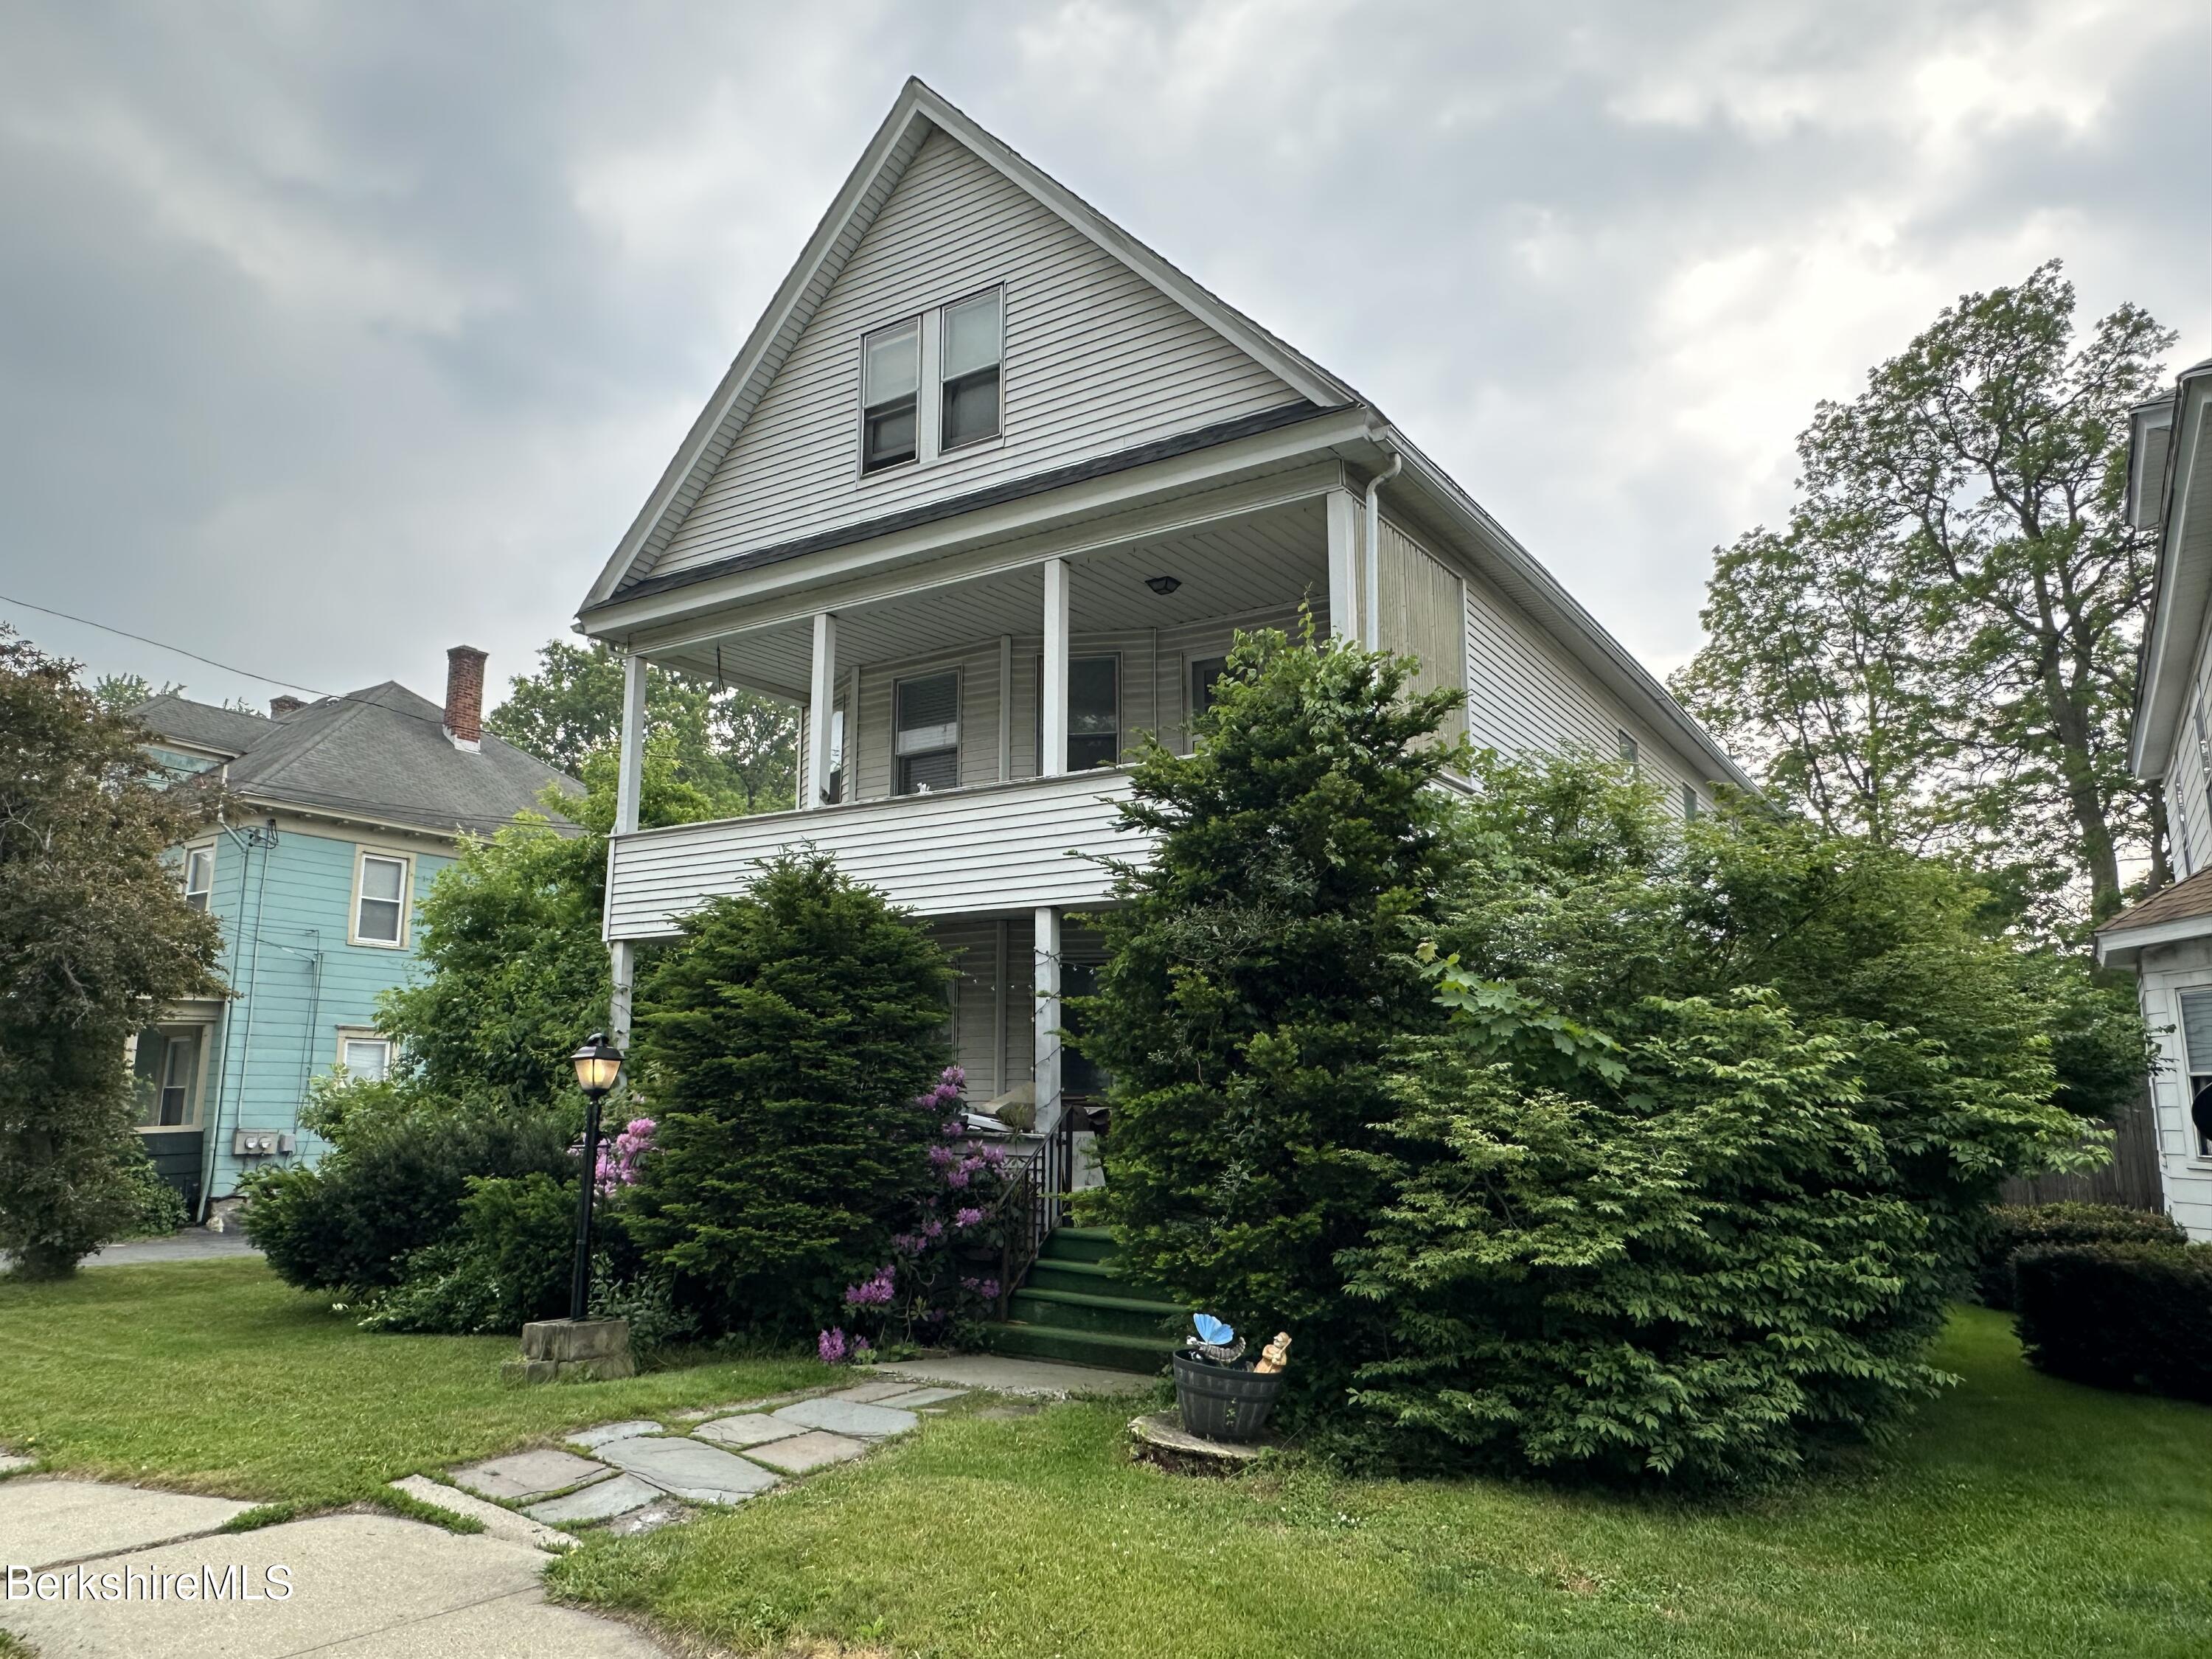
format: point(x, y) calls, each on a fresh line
point(380, 753)
point(917, 111)
point(202, 725)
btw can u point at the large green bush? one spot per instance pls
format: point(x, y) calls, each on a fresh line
point(2120, 1315)
point(505, 1261)
point(2012, 1228)
point(1260, 968)
point(783, 1043)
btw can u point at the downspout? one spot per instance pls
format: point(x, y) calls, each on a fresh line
point(1372, 632)
point(213, 1115)
point(213, 1150)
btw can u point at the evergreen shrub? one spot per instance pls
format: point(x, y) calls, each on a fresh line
point(2120, 1315)
point(2014, 1227)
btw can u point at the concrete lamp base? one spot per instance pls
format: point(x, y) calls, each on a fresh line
point(572, 1350)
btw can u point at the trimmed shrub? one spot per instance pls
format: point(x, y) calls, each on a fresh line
point(506, 1262)
point(2120, 1315)
point(783, 1043)
point(2014, 1227)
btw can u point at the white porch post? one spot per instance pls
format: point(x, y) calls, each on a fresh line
point(1053, 693)
point(629, 777)
point(1343, 565)
point(1048, 1018)
point(820, 709)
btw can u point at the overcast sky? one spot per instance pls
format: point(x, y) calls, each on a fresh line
point(331, 336)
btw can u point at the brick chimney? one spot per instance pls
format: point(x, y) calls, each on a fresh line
point(465, 667)
point(280, 707)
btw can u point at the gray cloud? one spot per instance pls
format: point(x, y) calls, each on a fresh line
point(331, 336)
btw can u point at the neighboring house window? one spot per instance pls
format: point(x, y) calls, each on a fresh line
point(1690, 807)
point(366, 1055)
point(890, 376)
point(1204, 671)
point(973, 345)
point(168, 1073)
point(927, 737)
point(2196, 1050)
point(199, 876)
point(1628, 750)
point(381, 901)
point(1094, 713)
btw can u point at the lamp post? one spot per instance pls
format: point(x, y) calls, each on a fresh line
point(598, 1066)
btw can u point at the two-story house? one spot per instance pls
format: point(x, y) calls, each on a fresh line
point(340, 812)
point(990, 490)
point(2167, 938)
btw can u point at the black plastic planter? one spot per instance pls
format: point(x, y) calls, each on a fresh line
point(1224, 1402)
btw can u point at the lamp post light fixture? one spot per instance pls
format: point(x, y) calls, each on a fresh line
point(598, 1066)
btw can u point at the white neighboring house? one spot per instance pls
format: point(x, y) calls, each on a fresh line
point(989, 489)
point(2167, 938)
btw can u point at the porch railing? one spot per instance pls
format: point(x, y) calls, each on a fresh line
point(1035, 1202)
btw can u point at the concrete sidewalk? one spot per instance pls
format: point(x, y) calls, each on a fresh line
point(349, 1586)
point(192, 1244)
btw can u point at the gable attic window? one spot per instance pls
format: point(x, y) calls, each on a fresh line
point(973, 346)
point(890, 378)
point(928, 735)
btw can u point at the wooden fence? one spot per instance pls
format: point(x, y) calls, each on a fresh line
point(2130, 1179)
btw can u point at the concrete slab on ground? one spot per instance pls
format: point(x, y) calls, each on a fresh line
point(747, 1429)
point(45, 1521)
point(502, 1523)
point(192, 1244)
point(358, 1585)
point(845, 1417)
point(803, 1453)
point(602, 1501)
point(523, 1475)
point(690, 1470)
point(1041, 1379)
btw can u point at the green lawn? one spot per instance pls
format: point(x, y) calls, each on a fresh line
point(2021, 1516)
point(212, 1376)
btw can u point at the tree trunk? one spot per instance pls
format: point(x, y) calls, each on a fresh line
point(2161, 873)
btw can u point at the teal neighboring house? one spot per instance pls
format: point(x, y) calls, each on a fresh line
point(343, 811)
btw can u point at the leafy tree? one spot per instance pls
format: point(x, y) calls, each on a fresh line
point(119, 694)
point(783, 1042)
point(93, 932)
point(1686, 1187)
point(1939, 649)
point(738, 749)
point(1260, 968)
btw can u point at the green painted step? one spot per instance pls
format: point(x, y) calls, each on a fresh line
point(1094, 1277)
point(1146, 1356)
point(1078, 1244)
point(1119, 1315)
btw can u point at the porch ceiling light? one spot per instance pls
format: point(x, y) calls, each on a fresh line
point(1164, 586)
point(598, 1065)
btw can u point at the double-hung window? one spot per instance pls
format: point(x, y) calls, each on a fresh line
point(926, 741)
point(1628, 748)
point(2196, 1052)
point(890, 381)
point(380, 908)
point(1094, 713)
point(180, 1059)
point(367, 1057)
point(1691, 806)
point(971, 350)
point(1204, 671)
point(199, 876)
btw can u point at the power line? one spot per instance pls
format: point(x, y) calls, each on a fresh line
point(162, 645)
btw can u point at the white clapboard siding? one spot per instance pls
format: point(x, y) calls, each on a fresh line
point(1007, 847)
point(1420, 611)
point(1096, 360)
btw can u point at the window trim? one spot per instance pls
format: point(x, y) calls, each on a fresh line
point(918, 321)
point(996, 436)
point(406, 863)
point(193, 853)
point(349, 1035)
point(958, 747)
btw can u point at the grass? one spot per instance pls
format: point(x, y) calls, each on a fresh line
point(214, 1378)
point(2021, 1516)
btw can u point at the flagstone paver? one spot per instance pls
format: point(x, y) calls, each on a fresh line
point(596, 1437)
point(690, 1469)
point(916, 1399)
point(749, 1428)
point(10, 1460)
point(497, 1521)
point(847, 1417)
point(868, 1393)
point(523, 1476)
point(1036, 1379)
point(601, 1501)
point(803, 1454)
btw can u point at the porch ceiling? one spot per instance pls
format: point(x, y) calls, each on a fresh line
point(1258, 561)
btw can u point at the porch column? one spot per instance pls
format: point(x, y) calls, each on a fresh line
point(1053, 693)
point(1048, 1018)
point(1343, 565)
point(629, 776)
point(820, 709)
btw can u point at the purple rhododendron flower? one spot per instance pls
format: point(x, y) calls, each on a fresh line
point(871, 1294)
point(966, 1217)
point(941, 1156)
point(618, 1158)
point(955, 1178)
point(933, 1229)
point(831, 1344)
